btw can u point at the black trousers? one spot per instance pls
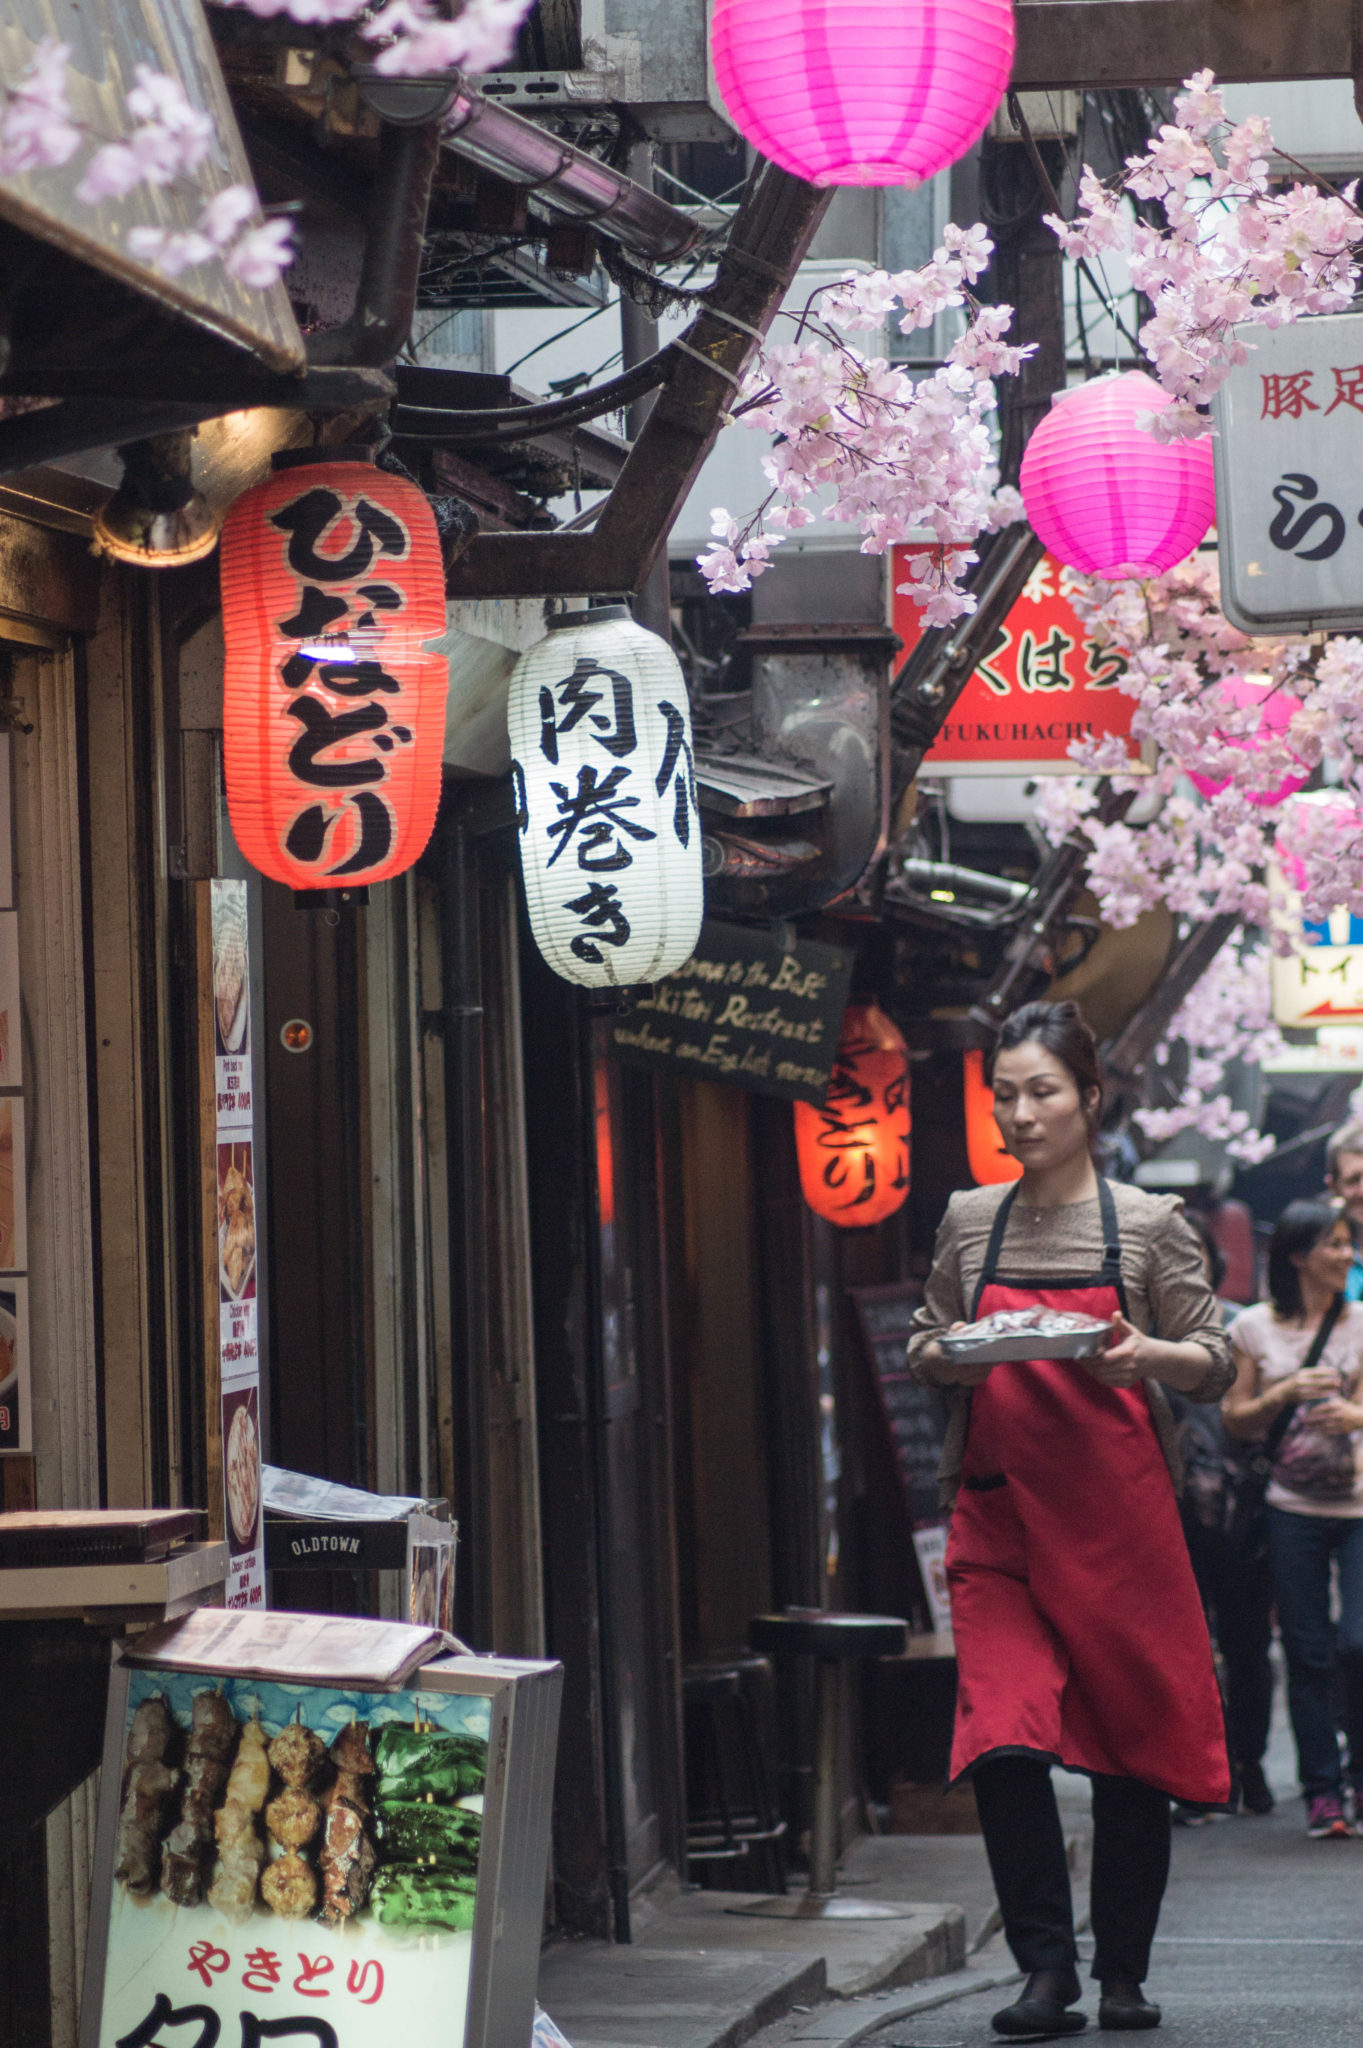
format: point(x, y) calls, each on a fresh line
point(1026, 1849)
point(1238, 1597)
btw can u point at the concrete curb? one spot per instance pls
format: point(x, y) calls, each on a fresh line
point(842, 2026)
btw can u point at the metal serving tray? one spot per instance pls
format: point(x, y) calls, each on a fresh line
point(1026, 1344)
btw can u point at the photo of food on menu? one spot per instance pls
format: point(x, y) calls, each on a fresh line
point(336, 1832)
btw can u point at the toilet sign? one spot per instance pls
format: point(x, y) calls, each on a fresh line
point(1289, 478)
point(1321, 982)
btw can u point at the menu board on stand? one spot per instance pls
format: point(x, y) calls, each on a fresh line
point(234, 1230)
point(318, 1828)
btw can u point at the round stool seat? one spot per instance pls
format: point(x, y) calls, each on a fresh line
point(819, 1632)
point(713, 1683)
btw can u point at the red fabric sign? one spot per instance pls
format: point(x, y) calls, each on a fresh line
point(1041, 685)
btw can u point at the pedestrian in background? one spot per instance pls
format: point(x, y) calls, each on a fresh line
point(1299, 1363)
point(1080, 1638)
point(1344, 1178)
point(1229, 1553)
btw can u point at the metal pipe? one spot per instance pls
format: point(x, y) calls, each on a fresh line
point(565, 178)
point(394, 233)
point(949, 874)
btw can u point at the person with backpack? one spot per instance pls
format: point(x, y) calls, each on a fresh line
point(1229, 1552)
point(1299, 1378)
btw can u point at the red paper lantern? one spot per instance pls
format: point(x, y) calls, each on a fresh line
point(989, 1163)
point(854, 1149)
point(333, 716)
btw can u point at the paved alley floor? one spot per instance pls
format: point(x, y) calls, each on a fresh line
point(1260, 1941)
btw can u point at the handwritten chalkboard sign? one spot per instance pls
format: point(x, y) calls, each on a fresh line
point(746, 1010)
point(914, 1417)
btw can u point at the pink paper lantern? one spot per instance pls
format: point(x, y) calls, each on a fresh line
point(862, 92)
point(1105, 495)
point(1275, 718)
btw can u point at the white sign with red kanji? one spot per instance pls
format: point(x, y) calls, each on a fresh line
point(1289, 477)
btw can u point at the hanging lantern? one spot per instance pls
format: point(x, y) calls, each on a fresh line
point(1241, 693)
point(600, 727)
point(862, 92)
point(989, 1163)
point(333, 716)
point(1103, 494)
point(854, 1149)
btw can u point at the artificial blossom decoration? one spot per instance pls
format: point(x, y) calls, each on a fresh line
point(1226, 1017)
point(898, 454)
point(1234, 249)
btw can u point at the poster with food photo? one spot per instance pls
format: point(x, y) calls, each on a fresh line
point(16, 1405)
point(241, 1466)
point(231, 1004)
point(236, 1221)
point(288, 1855)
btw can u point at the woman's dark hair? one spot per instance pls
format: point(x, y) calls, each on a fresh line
point(1297, 1231)
point(1216, 1258)
point(1060, 1027)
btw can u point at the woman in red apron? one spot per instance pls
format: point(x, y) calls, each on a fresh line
point(1080, 1637)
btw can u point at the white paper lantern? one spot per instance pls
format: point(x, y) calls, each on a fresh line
point(606, 794)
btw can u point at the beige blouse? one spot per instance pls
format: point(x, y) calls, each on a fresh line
point(1166, 1289)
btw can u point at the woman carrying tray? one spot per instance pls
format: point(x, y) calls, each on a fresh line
point(1080, 1637)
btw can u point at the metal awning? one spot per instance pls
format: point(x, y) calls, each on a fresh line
point(105, 43)
point(743, 786)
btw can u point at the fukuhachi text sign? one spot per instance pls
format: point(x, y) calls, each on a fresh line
point(1289, 477)
point(1041, 686)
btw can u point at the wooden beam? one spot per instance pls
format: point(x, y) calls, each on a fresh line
point(1160, 42)
point(771, 233)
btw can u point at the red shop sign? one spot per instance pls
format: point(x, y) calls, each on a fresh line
point(1041, 685)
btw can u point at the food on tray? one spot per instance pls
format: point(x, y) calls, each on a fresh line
point(1025, 1333)
point(241, 1851)
point(413, 1895)
point(289, 1887)
point(424, 1763)
point(410, 1831)
point(187, 1849)
point(236, 1227)
point(243, 1474)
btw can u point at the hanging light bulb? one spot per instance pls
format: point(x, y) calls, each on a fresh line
point(156, 518)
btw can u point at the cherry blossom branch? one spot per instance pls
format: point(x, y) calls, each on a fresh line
point(898, 456)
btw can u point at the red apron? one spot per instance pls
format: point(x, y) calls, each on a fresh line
point(1079, 1632)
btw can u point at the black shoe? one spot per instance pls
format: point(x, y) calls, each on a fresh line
point(1255, 1796)
point(1039, 2013)
point(1123, 2006)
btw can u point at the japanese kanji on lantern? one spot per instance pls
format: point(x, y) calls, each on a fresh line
point(1289, 456)
point(853, 1149)
point(333, 712)
point(321, 1828)
point(600, 729)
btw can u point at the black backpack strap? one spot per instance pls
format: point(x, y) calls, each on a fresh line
point(1112, 1237)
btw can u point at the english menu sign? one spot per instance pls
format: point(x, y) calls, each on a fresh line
point(744, 1009)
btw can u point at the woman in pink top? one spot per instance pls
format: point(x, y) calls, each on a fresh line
point(1302, 1395)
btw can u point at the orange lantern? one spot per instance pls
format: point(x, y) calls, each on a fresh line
point(854, 1150)
point(333, 715)
point(989, 1163)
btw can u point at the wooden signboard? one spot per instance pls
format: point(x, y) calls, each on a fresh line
point(747, 1010)
point(106, 42)
point(914, 1417)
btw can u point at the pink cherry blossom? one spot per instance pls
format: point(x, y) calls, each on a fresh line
point(36, 129)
